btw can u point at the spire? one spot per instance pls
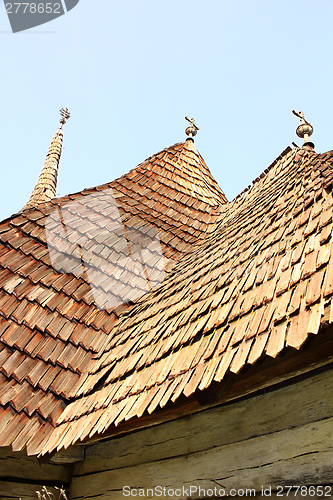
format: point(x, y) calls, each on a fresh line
point(46, 186)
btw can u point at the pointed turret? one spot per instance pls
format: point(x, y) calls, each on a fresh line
point(182, 169)
point(46, 186)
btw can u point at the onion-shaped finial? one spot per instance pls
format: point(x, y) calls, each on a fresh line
point(191, 131)
point(305, 129)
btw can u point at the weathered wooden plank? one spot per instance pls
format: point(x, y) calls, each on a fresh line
point(20, 466)
point(302, 455)
point(300, 403)
point(69, 456)
point(26, 491)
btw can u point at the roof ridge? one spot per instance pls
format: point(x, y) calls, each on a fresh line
point(265, 172)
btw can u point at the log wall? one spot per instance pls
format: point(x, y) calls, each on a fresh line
point(278, 438)
point(22, 476)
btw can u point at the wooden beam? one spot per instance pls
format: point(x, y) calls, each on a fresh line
point(25, 491)
point(72, 455)
point(18, 466)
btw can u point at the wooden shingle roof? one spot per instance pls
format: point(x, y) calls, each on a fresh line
point(243, 280)
point(257, 284)
point(67, 269)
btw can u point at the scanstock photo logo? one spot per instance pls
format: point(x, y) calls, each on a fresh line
point(25, 15)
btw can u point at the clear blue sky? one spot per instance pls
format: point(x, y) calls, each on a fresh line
point(130, 70)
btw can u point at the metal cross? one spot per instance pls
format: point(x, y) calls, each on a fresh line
point(300, 115)
point(65, 115)
point(192, 122)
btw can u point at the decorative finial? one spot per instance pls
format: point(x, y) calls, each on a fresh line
point(191, 131)
point(305, 129)
point(65, 115)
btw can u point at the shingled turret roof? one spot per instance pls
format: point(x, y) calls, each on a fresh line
point(68, 267)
